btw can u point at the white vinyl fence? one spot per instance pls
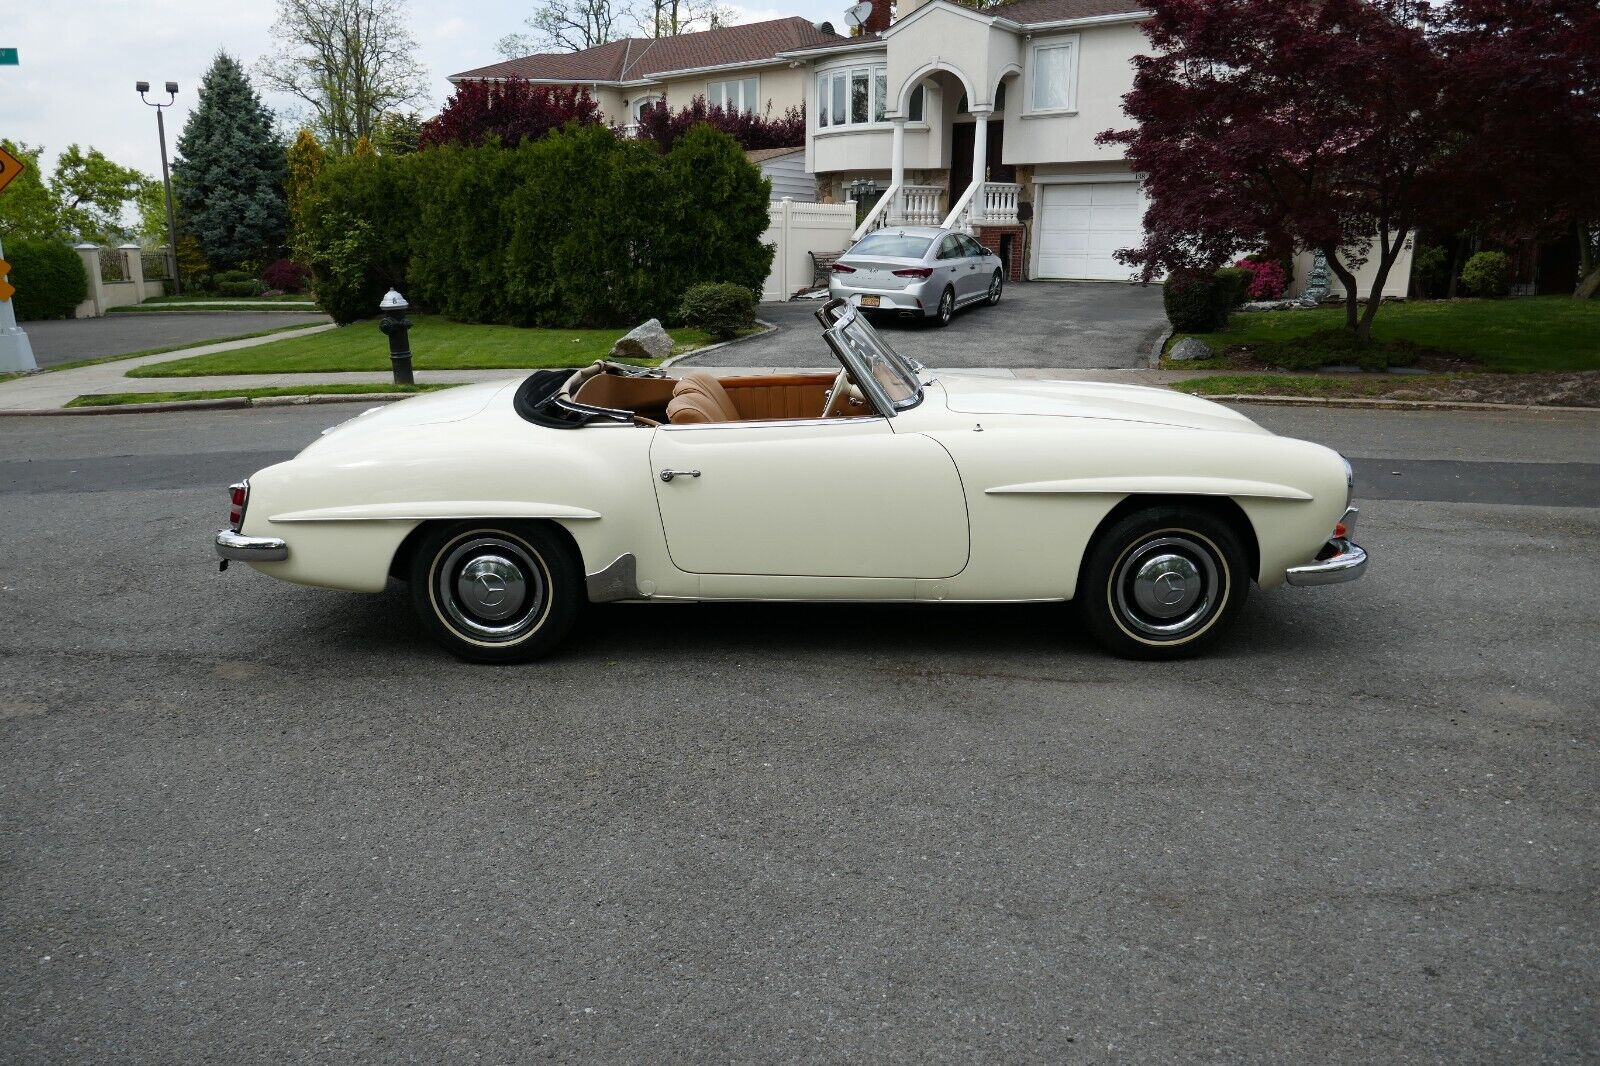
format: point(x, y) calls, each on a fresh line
point(796, 230)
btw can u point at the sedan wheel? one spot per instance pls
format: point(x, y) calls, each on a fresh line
point(947, 308)
point(995, 285)
point(495, 593)
point(1163, 583)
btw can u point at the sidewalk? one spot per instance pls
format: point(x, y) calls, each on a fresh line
point(55, 389)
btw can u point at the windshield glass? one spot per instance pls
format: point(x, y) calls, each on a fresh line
point(876, 366)
point(893, 245)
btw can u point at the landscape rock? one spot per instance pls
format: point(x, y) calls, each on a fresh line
point(1190, 348)
point(649, 341)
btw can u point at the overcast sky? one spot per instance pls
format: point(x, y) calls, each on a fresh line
point(80, 58)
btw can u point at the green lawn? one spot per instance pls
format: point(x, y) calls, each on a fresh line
point(1369, 385)
point(1529, 334)
point(117, 399)
point(436, 344)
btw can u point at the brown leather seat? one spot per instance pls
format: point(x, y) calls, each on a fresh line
point(700, 397)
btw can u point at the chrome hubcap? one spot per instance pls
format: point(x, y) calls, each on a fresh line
point(491, 588)
point(994, 290)
point(1167, 585)
point(947, 304)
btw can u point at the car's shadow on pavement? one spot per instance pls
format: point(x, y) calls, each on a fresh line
point(385, 626)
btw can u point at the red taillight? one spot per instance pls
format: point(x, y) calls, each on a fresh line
point(1340, 532)
point(840, 268)
point(914, 272)
point(237, 495)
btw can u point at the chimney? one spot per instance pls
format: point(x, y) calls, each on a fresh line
point(878, 21)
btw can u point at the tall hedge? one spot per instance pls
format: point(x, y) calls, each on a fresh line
point(48, 276)
point(581, 227)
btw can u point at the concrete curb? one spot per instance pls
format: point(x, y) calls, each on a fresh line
point(1391, 405)
point(1153, 360)
point(674, 360)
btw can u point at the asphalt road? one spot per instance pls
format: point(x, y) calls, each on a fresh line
point(68, 340)
point(1036, 324)
point(248, 822)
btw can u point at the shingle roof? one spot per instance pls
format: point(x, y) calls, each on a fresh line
point(761, 155)
point(1029, 12)
point(646, 57)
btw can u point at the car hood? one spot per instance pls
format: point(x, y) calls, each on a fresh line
point(1088, 399)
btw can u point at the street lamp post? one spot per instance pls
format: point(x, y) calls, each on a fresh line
point(166, 179)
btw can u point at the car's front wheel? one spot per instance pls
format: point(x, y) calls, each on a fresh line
point(1163, 583)
point(495, 592)
point(995, 287)
point(947, 307)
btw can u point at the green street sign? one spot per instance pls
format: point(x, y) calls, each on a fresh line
point(8, 57)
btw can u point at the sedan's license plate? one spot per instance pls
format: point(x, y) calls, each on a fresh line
point(870, 301)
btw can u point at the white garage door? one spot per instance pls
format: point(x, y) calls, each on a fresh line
point(1080, 226)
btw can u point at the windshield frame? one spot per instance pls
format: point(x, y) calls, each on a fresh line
point(847, 332)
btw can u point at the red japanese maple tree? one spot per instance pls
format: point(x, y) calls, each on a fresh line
point(1336, 125)
point(511, 112)
point(664, 126)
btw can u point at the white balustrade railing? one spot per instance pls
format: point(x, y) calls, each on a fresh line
point(919, 205)
point(1000, 201)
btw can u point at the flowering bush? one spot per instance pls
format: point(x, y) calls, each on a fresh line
point(751, 131)
point(1267, 280)
point(285, 275)
point(508, 113)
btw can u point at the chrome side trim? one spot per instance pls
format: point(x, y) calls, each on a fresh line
point(617, 581)
point(234, 545)
point(1348, 562)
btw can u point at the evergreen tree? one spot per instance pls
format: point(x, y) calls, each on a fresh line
point(305, 161)
point(231, 169)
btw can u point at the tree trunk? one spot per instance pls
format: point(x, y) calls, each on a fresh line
point(1455, 267)
point(1587, 271)
point(1348, 280)
point(1589, 286)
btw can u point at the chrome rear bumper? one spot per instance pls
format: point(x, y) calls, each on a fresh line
point(1340, 560)
point(237, 546)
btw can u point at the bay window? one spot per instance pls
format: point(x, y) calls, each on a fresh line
point(852, 96)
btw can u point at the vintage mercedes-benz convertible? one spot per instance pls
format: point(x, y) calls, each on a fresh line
point(507, 505)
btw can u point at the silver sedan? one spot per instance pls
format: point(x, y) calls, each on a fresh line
point(918, 271)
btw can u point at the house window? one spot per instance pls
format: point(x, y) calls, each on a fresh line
point(857, 96)
point(643, 102)
point(735, 94)
point(1054, 75)
point(914, 108)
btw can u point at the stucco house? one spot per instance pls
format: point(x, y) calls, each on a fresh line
point(736, 67)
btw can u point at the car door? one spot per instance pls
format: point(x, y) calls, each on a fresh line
point(953, 267)
point(975, 264)
point(844, 497)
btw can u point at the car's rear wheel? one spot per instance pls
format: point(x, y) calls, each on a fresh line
point(947, 307)
point(495, 592)
point(1163, 583)
point(996, 284)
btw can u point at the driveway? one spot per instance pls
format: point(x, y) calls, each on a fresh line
point(71, 339)
point(1080, 325)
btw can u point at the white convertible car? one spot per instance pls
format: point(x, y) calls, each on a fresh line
point(507, 505)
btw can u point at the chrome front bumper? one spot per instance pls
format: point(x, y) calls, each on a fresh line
point(1340, 560)
point(237, 546)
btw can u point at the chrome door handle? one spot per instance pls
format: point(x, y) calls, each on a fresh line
point(668, 475)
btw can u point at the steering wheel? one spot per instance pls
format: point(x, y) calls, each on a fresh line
point(837, 394)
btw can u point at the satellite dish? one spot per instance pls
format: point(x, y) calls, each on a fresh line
point(858, 15)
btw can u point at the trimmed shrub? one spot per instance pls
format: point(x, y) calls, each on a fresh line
point(225, 276)
point(720, 308)
point(1237, 281)
point(239, 288)
point(1488, 274)
point(578, 228)
point(1197, 302)
point(48, 276)
point(285, 275)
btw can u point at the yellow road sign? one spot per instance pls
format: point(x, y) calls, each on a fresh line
point(6, 288)
point(10, 167)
